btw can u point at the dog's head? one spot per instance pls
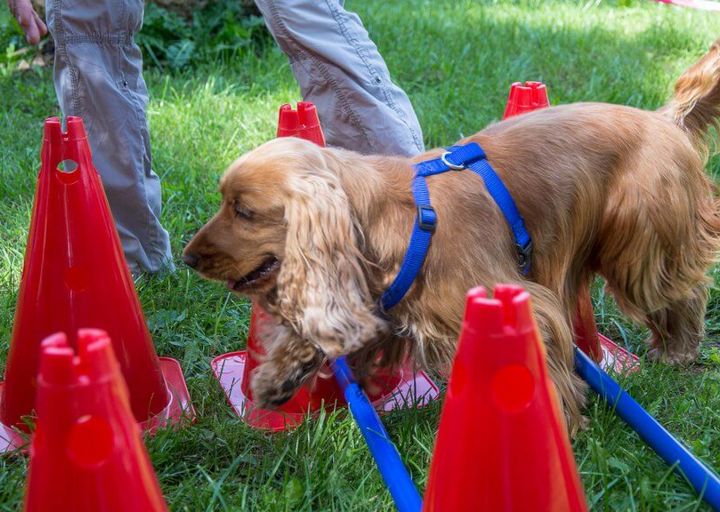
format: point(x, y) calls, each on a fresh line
point(285, 230)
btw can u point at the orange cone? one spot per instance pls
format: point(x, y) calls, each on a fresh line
point(75, 275)
point(233, 370)
point(502, 443)
point(87, 454)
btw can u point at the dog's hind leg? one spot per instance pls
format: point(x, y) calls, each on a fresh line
point(678, 329)
point(659, 236)
point(664, 290)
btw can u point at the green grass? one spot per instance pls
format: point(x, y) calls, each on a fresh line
point(456, 60)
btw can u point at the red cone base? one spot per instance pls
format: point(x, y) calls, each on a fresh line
point(233, 371)
point(411, 390)
point(87, 454)
point(616, 358)
point(10, 438)
point(608, 355)
point(502, 443)
point(526, 98)
point(75, 275)
point(179, 407)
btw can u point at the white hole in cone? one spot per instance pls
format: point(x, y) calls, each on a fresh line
point(67, 166)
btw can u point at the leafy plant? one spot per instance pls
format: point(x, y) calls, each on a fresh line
point(12, 42)
point(219, 30)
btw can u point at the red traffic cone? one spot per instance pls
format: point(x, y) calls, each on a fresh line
point(586, 335)
point(303, 123)
point(87, 453)
point(502, 443)
point(75, 275)
point(526, 98)
point(233, 370)
point(601, 349)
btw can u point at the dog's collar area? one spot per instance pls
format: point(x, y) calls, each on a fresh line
point(457, 158)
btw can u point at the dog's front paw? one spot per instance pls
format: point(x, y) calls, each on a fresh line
point(275, 382)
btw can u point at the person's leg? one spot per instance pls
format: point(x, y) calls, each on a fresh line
point(98, 76)
point(340, 70)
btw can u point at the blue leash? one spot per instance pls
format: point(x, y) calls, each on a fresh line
point(388, 460)
point(703, 480)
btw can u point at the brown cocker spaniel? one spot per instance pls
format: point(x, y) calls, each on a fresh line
point(316, 235)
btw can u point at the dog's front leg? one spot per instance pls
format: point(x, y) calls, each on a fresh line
point(290, 362)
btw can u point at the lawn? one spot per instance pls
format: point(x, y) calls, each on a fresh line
point(456, 60)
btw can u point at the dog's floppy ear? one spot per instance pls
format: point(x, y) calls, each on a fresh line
point(322, 289)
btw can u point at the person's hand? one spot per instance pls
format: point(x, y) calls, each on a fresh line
point(28, 19)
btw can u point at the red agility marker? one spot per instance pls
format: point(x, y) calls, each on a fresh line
point(526, 98)
point(601, 349)
point(75, 275)
point(303, 123)
point(87, 454)
point(502, 443)
point(233, 370)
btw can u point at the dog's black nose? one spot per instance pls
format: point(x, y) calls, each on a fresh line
point(190, 259)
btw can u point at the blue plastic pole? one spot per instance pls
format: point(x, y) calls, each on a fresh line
point(705, 482)
point(393, 471)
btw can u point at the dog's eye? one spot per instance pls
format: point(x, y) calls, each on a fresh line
point(243, 212)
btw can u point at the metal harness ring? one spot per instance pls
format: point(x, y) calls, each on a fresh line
point(451, 166)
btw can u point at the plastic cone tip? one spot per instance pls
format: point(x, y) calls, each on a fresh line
point(288, 121)
point(509, 309)
point(308, 114)
point(526, 98)
point(303, 123)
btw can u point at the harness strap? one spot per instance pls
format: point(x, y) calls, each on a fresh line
point(422, 232)
point(499, 192)
point(457, 158)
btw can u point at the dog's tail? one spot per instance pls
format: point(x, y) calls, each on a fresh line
point(695, 105)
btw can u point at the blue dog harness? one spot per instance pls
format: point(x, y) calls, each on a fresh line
point(470, 156)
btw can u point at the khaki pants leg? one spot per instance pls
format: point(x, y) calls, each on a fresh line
point(340, 70)
point(98, 76)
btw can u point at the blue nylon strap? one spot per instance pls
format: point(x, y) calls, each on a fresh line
point(430, 167)
point(469, 156)
point(497, 190)
point(417, 249)
point(500, 194)
point(465, 155)
point(458, 156)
